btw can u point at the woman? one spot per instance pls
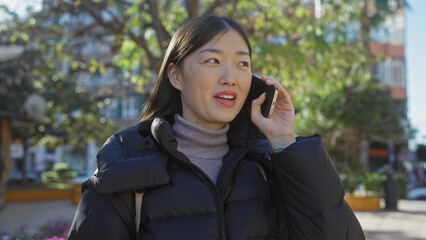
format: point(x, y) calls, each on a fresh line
point(195, 166)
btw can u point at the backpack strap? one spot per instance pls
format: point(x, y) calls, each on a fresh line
point(262, 170)
point(138, 206)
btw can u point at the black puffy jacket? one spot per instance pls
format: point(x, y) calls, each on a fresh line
point(301, 199)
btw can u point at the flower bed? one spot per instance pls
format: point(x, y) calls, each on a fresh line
point(51, 230)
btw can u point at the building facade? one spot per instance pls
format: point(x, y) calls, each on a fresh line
point(387, 48)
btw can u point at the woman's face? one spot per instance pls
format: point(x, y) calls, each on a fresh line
point(214, 81)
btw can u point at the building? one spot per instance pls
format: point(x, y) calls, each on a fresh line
point(122, 103)
point(387, 49)
point(7, 121)
point(119, 98)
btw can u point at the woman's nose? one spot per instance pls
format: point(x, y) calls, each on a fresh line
point(228, 76)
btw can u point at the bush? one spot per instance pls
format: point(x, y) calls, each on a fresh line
point(350, 181)
point(368, 183)
point(403, 181)
point(373, 181)
point(60, 173)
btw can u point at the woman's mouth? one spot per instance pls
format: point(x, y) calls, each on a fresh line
point(226, 98)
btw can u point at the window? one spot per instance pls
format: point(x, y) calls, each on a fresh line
point(391, 31)
point(130, 108)
point(397, 72)
point(391, 72)
point(352, 31)
point(111, 110)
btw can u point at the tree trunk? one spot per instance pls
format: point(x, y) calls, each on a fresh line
point(24, 160)
point(192, 8)
point(5, 140)
point(363, 154)
point(365, 28)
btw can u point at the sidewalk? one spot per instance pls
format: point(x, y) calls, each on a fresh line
point(408, 223)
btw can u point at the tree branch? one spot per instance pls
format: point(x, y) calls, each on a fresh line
point(117, 26)
point(162, 34)
point(213, 6)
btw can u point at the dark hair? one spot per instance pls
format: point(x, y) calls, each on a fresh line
point(165, 100)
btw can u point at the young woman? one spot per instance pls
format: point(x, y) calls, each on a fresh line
point(199, 166)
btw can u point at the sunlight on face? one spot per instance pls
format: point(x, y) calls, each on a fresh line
point(215, 81)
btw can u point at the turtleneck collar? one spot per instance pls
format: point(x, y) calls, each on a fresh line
point(199, 142)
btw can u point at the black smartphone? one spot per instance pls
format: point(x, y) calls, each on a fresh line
point(257, 88)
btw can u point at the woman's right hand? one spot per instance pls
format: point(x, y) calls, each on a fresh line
point(279, 128)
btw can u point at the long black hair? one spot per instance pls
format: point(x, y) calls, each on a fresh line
point(165, 100)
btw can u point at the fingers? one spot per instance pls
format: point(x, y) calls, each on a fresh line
point(255, 106)
point(281, 91)
point(258, 101)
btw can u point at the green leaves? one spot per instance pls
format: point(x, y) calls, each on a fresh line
point(71, 114)
point(326, 71)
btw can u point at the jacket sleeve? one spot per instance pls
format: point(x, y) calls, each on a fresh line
point(96, 218)
point(127, 162)
point(311, 190)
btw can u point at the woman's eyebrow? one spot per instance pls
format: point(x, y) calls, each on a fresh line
point(215, 50)
point(243, 53)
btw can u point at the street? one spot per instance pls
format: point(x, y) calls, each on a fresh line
point(408, 223)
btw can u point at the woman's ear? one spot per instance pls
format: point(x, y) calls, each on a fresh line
point(175, 78)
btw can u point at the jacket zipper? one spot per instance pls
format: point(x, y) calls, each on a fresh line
point(217, 194)
point(228, 176)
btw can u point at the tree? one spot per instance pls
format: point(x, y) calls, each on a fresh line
point(326, 70)
point(72, 117)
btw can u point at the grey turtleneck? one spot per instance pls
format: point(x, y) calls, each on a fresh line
point(204, 147)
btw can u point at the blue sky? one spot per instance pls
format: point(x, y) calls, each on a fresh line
point(20, 6)
point(415, 51)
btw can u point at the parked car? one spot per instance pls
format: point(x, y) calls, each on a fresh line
point(418, 193)
point(16, 176)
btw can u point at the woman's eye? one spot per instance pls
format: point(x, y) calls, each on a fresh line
point(244, 64)
point(213, 60)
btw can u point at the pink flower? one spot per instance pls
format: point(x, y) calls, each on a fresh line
point(55, 238)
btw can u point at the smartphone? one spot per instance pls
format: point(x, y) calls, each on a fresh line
point(257, 88)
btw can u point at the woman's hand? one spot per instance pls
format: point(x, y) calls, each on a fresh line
point(279, 129)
